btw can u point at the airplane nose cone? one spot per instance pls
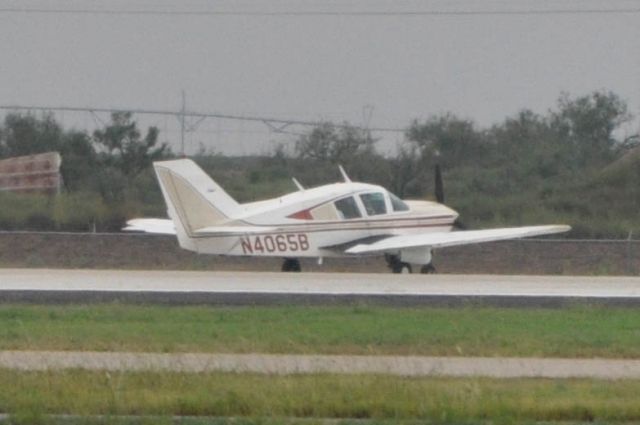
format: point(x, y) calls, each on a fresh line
point(449, 211)
point(432, 208)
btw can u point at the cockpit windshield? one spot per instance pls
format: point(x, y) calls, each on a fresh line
point(397, 204)
point(374, 203)
point(347, 208)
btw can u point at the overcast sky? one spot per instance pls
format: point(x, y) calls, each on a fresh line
point(385, 70)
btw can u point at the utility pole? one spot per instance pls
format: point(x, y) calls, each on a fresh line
point(183, 113)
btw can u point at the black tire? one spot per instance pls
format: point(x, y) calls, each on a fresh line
point(291, 265)
point(295, 266)
point(401, 268)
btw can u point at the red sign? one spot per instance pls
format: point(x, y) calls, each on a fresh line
point(33, 173)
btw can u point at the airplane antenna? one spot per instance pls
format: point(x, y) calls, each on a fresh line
point(297, 183)
point(344, 174)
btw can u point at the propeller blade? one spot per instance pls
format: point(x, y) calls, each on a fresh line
point(457, 224)
point(439, 185)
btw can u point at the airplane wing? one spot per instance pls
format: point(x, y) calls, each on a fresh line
point(159, 226)
point(462, 237)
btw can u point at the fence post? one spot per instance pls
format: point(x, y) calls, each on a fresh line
point(629, 266)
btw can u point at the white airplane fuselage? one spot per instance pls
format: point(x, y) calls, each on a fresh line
point(308, 236)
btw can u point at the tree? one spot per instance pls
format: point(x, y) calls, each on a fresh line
point(526, 147)
point(587, 125)
point(124, 146)
point(79, 161)
point(26, 134)
point(452, 140)
point(408, 177)
point(327, 146)
point(337, 145)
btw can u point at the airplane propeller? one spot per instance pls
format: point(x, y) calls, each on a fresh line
point(439, 185)
point(439, 192)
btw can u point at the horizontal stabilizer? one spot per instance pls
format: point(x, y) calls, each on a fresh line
point(151, 225)
point(444, 239)
point(166, 227)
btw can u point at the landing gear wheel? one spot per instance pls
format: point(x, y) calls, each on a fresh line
point(291, 265)
point(402, 268)
point(428, 269)
point(397, 266)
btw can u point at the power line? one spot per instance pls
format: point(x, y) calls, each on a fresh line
point(356, 13)
point(265, 120)
point(276, 125)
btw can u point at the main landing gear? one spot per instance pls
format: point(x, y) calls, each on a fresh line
point(398, 266)
point(291, 265)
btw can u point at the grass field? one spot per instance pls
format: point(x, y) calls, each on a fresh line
point(318, 396)
point(573, 332)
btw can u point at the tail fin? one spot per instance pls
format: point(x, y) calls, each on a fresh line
point(193, 199)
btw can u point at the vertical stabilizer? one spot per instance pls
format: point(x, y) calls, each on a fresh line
point(194, 201)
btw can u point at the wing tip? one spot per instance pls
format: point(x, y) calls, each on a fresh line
point(354, 249)
point(559, 228)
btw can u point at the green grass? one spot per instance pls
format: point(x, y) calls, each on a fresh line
point(25, 418)
point(317, 396)
point(573, 332)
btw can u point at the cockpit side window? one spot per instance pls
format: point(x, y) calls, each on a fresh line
point(397, 203)
point(347, 208)
point(374, 203)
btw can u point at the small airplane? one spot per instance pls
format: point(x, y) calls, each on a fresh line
point(343, 219)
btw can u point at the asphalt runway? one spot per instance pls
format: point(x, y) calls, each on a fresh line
point(262, 288)
point(283, 364)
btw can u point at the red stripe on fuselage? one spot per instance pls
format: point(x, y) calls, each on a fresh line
point(335, 229)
